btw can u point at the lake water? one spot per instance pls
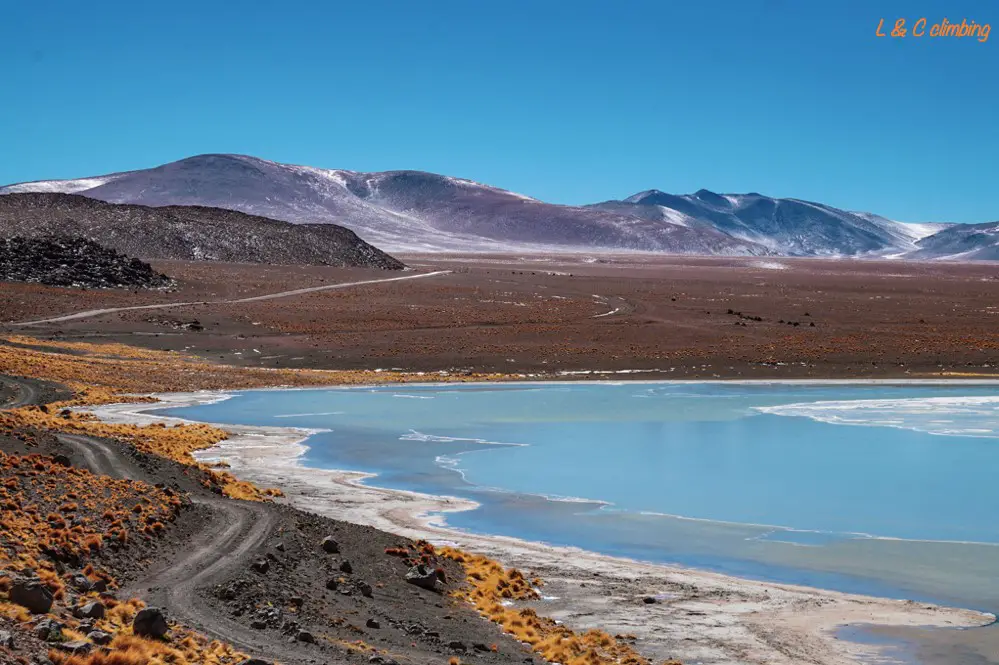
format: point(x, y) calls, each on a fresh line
point(886, 490)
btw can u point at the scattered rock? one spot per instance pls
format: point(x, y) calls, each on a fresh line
point(31, 594)
point(48, 630)
point(346, 567)
point(61, 459)
point(330, 546)
point(258, 624)
point(365, 589)
point(255, 661)
point(6, 639)
point(381, 660)
point(372, 623)
point(261, 566)
point(422, 576)
point(150, 622)
point(81, 583)
point(99, 637)
point(332, 583)
point(75, 648)
point(649, 600)
point(305, 636)
point(457, 645)
point(92, 610)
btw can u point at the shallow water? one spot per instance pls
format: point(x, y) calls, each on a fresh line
point(886, 490)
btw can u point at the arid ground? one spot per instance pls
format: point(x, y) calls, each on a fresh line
point(681, 317)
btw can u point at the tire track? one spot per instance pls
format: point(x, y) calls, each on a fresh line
point(27, 394)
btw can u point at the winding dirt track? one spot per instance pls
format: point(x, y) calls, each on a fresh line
point(232, 531)
point(26, 393)
point(268, 296)
point(229, 535)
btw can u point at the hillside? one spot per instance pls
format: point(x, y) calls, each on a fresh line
point(186, 232)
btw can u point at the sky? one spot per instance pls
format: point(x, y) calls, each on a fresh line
point(568, 101)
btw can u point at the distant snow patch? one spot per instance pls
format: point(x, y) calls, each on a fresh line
point(770, 265)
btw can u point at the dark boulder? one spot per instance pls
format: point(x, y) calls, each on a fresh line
point(92, 610)
point(31, 594)
point(99, 637)
point(150, 622)
point(330, 546)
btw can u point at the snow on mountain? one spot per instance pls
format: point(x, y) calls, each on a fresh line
point(791, 227)
point(411, 211)
point(960, 242)
point(57, 186)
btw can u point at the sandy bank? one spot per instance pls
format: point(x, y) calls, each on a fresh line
point(699, 617)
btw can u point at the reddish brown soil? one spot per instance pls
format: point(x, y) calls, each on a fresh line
point(683, 316)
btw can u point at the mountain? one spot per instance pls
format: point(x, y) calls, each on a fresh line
point(966, 242)
point(186, 232)
point(396, 210)
point(789, 227)
point(418, 211)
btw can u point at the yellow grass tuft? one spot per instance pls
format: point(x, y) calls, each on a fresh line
point(489, 584)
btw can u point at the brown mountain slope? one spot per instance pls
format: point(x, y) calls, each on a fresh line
point(187, 232)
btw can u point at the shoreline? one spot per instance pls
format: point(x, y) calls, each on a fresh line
point(709, 617)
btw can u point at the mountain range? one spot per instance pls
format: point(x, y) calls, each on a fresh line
point(415, 211)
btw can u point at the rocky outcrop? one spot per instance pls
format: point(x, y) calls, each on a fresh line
point(75, 262)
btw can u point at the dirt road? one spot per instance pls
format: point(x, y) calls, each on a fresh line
point(268, 296)
point(232, 532)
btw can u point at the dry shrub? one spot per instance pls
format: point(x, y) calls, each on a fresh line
point(489, 585)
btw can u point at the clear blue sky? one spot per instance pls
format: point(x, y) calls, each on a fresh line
point(570, 101)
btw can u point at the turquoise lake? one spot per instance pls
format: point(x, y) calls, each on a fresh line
point(883, 489)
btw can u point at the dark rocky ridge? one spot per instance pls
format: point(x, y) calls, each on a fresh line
point(73, 261)
point(187, 232)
